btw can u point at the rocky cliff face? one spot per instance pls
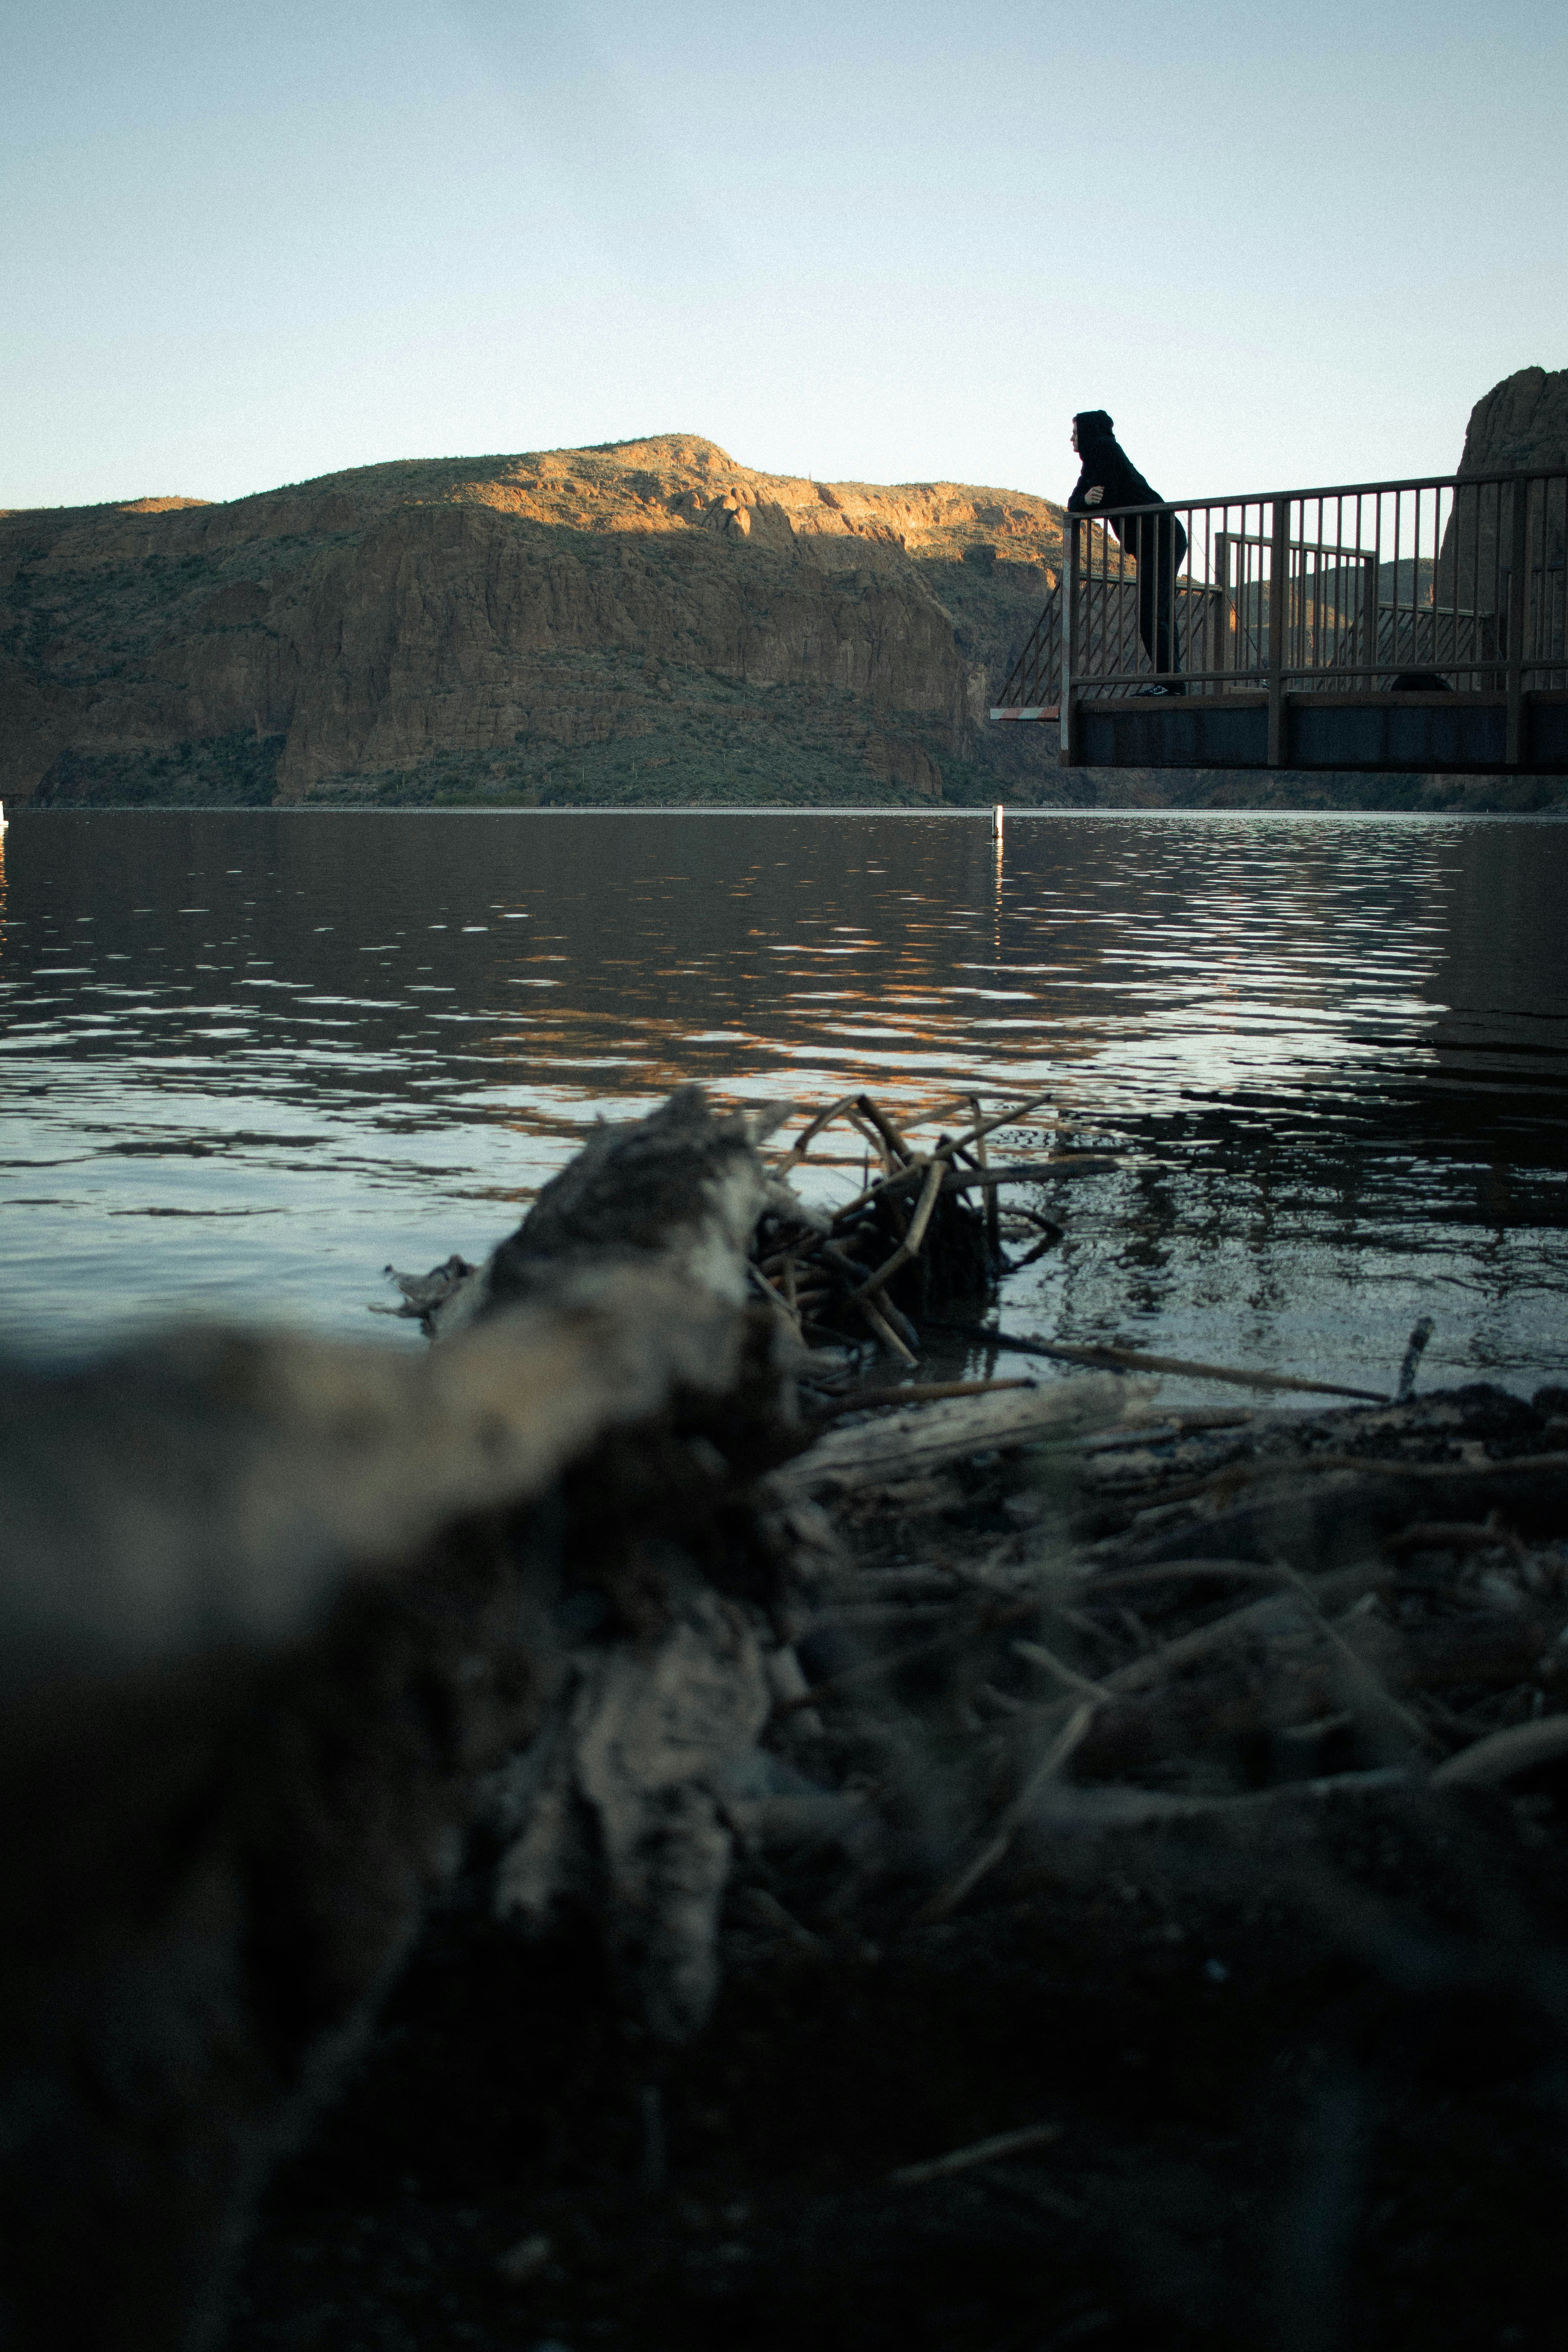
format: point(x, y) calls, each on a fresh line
point(625, 623)
point(1520, 424)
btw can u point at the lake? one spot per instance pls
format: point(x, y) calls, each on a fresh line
point(248, 1058)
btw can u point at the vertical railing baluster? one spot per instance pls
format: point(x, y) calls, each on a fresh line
point(1278, 570)
point(1369, 597)
point(1477, 598)
point(1517, 587)
point(1557, 580)
point(1378, 504)
point(1069, 751)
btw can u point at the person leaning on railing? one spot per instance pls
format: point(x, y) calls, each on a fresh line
point(1157, 543)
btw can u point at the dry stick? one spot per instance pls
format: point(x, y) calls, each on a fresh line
point(885, 1128)
point(1455, 1535)
point(1444, 1534)
point(1172, 1571)
point(1151, 1499)
point(1018, 1109)
point(873, 1671)
point(768, 1908)
point(790, 1318)
point(876, 1615)
point(1504, 1753)
point(1135, 1677)
point(948, 1898)
point(1257, 1616)
point(1174, 1424)
point(808, 1135)
point(993, 1199)
point(776, 1260)
point(1069, 1677)
point(1130, 1359)
point(1232, 1477)
point(918, 1393)
point(846, 1159)
point(910, 1246)
point(1117, 1808)
point(1023, 1171)
point(948, 1107)
point(995, 1613)
point(1365, 1682)
point(980, 2151)
point(876, 1316)
point(1370, 1467)
point(985, 1127)
point(883, 1328)
point(870, 1136)
point(1373, 1465)
point(923, 1579)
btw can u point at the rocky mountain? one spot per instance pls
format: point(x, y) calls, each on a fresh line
point(643, 621)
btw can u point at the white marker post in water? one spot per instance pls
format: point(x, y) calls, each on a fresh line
point(997, 820)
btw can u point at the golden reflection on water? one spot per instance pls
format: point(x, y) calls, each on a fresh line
point(248, 1059)
point(1129, 1010)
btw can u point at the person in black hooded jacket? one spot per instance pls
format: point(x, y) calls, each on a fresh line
point(1157, 543)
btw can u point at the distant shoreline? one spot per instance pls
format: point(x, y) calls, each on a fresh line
point(1086, 791)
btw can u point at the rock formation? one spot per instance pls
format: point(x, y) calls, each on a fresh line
point(1520, 424)
point(645, 620)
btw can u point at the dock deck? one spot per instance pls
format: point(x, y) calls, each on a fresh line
point(1414, 625)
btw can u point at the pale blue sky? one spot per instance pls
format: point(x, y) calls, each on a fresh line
point(892, 242)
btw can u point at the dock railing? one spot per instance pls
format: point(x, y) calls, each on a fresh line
point(1453, 585)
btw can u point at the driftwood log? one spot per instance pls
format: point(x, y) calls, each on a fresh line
point(275, 1613)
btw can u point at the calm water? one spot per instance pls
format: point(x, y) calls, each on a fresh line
point(248, 1059)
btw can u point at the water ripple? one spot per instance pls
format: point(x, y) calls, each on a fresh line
point(1348, 1039)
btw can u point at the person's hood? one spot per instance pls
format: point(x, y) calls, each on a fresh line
point(1093, 424)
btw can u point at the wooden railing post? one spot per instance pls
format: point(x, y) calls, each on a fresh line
point(1068, 755)
point(1279, 592)
point(1369, 592)
point(1518, 610)
point(1218, 649)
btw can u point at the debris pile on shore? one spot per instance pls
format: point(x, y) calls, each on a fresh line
point(1152, 1814)
point(911, 1243)
point(987, 1865)
point(1146, 1921)
point(1183, 1613)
